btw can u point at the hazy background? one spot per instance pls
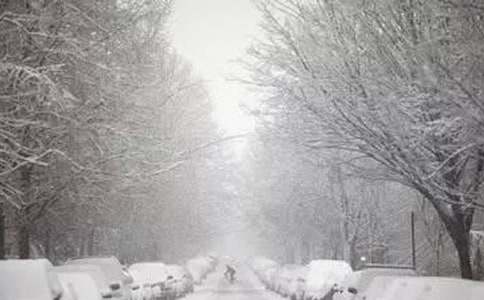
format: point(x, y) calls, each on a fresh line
point(212, 35)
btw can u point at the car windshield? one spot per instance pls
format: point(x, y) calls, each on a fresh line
point(149, 272)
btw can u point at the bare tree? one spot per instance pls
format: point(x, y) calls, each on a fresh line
point(396, 82)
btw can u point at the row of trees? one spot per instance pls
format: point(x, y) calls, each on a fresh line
point(393, 87)
point(96, 108)
point(313, 207)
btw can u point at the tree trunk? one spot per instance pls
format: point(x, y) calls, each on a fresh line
point(457, 221)
point(437, 254)
point(24, 226)
point(90, 242)
point(479, 270)
point(463, 250)
point(2, 232)
point(460, 235)
point(354, 257)
point(47, 246)
point(24, 242)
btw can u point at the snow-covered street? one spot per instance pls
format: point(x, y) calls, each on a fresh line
point(246, 287)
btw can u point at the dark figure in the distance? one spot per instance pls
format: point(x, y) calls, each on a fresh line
point(230, 273)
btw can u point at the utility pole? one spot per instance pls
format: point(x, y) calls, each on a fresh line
point(414, 256)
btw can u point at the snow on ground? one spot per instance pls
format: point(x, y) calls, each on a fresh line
point(246, 287)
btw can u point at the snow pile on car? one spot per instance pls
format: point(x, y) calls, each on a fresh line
point(260, 264)
point(93, 271)
point(199, 267)
point(433, 288)
point(324, 274)
point(149, 272)
point(28, 279)
point(78, 286)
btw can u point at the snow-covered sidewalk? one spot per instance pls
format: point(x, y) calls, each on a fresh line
point(246, 287)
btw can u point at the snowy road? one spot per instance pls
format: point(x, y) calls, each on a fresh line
point(246, 287)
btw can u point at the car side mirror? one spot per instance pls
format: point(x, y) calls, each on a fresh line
point(115, 286)
point(352, 290)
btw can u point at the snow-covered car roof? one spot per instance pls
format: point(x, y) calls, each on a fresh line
point(372, 281)
point(433, 288)
point(261, 263)
point(176, 271)
point(376, 288)
point(149, 272)
point(326, 272)
point(110, 266)
point(92, 270)
point(198, 263)
point(79, 286)
point(31, 279)
point(293, 271)
point(361, 279)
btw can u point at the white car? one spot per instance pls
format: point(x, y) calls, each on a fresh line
point(119, 280)
point(297, 283)
point(154, 273)
point(268, 277)
point(95, 272)
point(378, 286)
point(285, 276)
point(260, 264)
point(198, 267)
point(141, 287)
point(183, 281)
point(29, 279)
point(78, 286)
point(324, 276)
point(433, 288)
point(356, 284)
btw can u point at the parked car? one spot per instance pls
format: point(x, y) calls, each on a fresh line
point(268, 276)
point(324, 276)
point(106, 289)
point(266, 270)
point(198, 267)
point(284, 277)
point(260, 264)
point(378, 286)
point(297, 283)
point(119, 279)
point(141, 287)
point(155, 273)
point(183, 279)
point(78, 286)
point(29, 279)
point(356, 284)
point(433, 288)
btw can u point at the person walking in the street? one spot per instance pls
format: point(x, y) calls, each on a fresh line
point(230, 273)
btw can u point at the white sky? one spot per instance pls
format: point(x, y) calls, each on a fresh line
point(210, 34)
